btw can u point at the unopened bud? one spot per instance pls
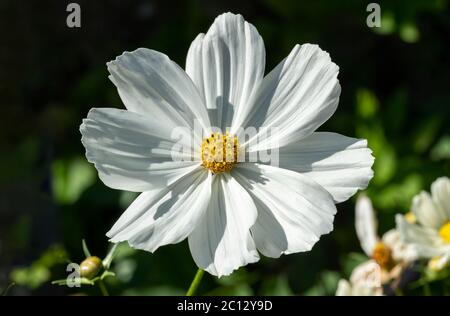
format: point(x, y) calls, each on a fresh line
point(90, 267)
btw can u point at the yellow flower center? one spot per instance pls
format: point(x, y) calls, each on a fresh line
point(444, 232)
point(410, 217)
point(382, 255)
point(219, 152)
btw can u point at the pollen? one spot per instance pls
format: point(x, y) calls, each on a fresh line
point(382, 255)
point(444, 232)
point(219, 152)
point(410, 217)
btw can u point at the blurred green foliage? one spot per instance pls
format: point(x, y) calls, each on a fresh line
point(71, 178)
point(39, 271)
point(394, 93)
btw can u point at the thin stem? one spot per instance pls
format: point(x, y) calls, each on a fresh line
point(85, 248)
point(195, 282)
point(7, 289)
point(102, 287)
point(109, 257)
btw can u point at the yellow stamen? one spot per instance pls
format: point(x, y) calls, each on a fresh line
point(382, 255)
point(219, 152)
point(444, 232)
point(410, 217)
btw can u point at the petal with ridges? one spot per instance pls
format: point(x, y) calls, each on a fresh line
point(341, 164)
point(440, 191)
point(295, 98)
point(164, 216)
point(426, 211)
point(132, 154)
point(221, 242)
point(425, 241)
point(153, 85)
point(227, 65)
point(293, 210)
point(366, 224)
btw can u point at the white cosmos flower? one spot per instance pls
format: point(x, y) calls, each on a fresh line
point(228, 212)
point(364, 281)
point(388, 250)
point(430, 233)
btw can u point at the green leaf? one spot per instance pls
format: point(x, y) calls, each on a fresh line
point(426, 133)
point(388, 24)
point(326, 284)
point(366, 103)
point(277, 286)
point(39, 271)
point(399, 195)
point(350, 261)
point(441, 150)
point(71, 178)
point(409, 32)
point(125, 269)
point(31, 277)
point(126, 198)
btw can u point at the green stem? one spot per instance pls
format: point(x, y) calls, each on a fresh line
point(109, 257)
point(85, 248)
point(195, 282)
point(7, 289)
point(102, 287)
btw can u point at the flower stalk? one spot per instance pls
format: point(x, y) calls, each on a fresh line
point(195, 282)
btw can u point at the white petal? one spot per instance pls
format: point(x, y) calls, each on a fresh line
point(426, 211)
point(440, 191)
point(151, 84)
point(293, 210)
point(227, 65)
point(367, 274)
point(366, 279)
point(344, 288)
point(439, 263)
point(298, 96)
point(366, 224)
point(340, 164)
point(400, 250)
point(391, 238)
point(164, 216)
point(131, 153)
point(221, 242)
point(425, 240)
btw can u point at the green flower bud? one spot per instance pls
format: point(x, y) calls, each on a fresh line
point(90, 267)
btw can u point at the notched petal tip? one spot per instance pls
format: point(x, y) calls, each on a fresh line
point(141, 52)
point(230, 15)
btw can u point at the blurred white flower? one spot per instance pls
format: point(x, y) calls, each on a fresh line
point(366, 280)
point(438, 263)
point(430, 233)
point(388, 250)
point(228, 210)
